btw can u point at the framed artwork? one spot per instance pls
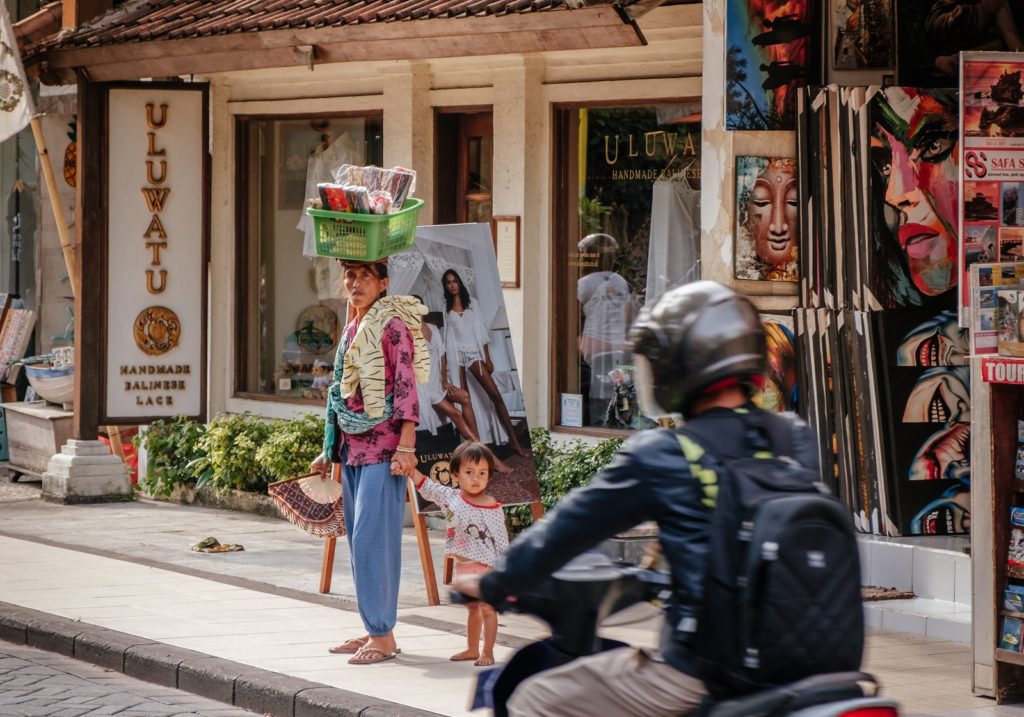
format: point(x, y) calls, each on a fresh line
point(772, 54)
point(767, 219)
point(864, 34)
point(298, 141)
point(14, 339)
point(506, 248)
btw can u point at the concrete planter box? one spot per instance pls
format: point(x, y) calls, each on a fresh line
point(240, 500)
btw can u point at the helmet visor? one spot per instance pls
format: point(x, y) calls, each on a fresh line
point(644, 382)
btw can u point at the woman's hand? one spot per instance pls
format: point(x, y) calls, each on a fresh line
point(489, 365)
point(403, 464)
point(319, 465)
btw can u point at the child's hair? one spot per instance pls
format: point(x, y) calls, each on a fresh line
point(471, 452)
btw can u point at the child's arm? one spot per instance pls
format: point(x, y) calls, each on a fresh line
point(432, 490)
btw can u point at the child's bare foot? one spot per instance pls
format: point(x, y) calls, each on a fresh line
point(485, 660)
point(465, 656)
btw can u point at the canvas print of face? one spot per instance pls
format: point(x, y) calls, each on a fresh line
point(914, 138)
point(767, 219)
point(864, 34)
point(770, 57)
point(474, 391)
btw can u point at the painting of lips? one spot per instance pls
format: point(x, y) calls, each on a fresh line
point(926, 397)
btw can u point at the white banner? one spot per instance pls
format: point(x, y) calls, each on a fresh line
point(16, 108)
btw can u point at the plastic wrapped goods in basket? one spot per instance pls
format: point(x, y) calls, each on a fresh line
point(365, 237)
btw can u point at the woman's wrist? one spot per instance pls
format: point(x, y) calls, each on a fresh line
point(405, 449)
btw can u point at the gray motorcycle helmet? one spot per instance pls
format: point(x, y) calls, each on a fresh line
point(691, 338)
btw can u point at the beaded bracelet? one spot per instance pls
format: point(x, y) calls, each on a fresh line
point(403, 449)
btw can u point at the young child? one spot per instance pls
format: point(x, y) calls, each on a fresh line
point(476, 536)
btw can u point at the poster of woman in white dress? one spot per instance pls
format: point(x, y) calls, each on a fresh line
point(474, 390)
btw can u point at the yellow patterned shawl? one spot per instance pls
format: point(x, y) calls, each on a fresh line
point(364, 360)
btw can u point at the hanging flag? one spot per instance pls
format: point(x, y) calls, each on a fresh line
point(16, 109)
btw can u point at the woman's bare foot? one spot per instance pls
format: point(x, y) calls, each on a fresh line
point(465, 656)
point(501, 467)
point(485, 660)
point(518, 447)
point(384, 643)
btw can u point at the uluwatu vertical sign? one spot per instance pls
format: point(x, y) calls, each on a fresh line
point(156, 252)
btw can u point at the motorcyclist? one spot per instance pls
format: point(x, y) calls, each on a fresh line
point(700, 352)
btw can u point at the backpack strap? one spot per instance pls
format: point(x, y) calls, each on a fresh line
point(765, 435)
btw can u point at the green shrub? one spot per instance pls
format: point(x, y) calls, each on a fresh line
point(170, 446)
point(227, 454)
point(560, 469)
point(291, 447)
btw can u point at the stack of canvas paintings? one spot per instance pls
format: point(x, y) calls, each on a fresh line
point(886, 387)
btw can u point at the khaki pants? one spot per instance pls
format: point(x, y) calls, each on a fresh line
point(622, 682)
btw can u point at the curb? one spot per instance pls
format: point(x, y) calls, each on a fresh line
point(233, 683)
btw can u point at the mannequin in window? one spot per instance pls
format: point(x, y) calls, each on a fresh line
point(608, 310)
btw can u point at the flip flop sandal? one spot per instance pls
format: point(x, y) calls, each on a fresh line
point(370, 656)
point(349, 647)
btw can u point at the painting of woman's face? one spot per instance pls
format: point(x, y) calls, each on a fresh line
point(913, 148)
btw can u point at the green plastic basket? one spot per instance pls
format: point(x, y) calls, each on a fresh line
point(364, 237)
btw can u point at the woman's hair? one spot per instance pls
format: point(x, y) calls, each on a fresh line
point(463, 291)
point(471, 452)
point(377, 268)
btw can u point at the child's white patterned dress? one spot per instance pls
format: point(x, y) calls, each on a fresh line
point(475, 532)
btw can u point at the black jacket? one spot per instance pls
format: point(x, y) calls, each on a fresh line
point(648, 479)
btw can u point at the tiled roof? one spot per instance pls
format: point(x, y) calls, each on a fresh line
point(148, 20)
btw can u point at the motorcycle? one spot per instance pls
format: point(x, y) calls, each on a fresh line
point(576, 600)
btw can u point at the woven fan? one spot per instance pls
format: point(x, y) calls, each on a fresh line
point(312, 503)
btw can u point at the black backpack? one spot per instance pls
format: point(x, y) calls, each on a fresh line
point(782, 591)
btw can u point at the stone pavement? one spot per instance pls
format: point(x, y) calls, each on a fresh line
point(117, 584)
point(36, 682)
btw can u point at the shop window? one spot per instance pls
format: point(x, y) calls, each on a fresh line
point(290, 311)
point(627, 226)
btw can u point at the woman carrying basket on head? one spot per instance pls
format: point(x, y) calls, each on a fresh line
point(372, 412)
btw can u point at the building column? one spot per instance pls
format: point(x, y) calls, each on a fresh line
point(521, 124)
point(719, 149)
point(409, 126)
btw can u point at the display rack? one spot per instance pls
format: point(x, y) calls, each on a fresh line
point(997, 399)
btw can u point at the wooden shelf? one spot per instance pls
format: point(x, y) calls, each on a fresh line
point(1016, 573)
point(1007, 656)
point(1011, 613)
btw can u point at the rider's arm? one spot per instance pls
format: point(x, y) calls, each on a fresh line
point(627, 492)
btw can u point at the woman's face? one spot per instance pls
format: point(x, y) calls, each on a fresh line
point(918, 164)
point(451, 284)
point(362, 286)
point(773, 214)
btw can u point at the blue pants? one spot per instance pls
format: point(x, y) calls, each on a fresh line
point(374, 506)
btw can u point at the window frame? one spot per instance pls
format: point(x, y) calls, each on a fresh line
point(246, 275)
point(565, 223)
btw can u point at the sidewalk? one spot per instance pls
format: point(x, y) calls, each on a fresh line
point(117, 582)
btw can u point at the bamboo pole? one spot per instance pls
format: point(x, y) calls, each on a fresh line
point(113, 432)
point(58, 209)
